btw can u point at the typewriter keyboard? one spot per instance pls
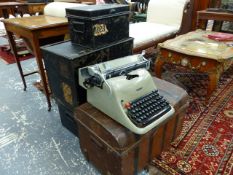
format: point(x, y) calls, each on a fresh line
point(147, 109)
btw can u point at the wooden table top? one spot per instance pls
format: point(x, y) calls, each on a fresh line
point(37, 22)
point(10, 3)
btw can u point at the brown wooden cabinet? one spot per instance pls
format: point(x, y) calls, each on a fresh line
point(7, 8)
point(14, 8)
point(36, 7)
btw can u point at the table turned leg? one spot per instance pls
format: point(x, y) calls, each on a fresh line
point(13, 47)
point(158, 67)
point(5, 13)
point(213, 81)
point(201, 24)
point(36, 48)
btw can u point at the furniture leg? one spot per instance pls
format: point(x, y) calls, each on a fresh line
point(158, 66)
point(198, 24)
point(213, 81)
point(201, 24)
point(5, 13)
point(36, 48)
point(14, 49)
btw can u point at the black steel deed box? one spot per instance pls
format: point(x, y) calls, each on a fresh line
point(94, 26)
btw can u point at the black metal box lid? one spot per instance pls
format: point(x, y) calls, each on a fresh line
point(71, 51)
point(97, 10)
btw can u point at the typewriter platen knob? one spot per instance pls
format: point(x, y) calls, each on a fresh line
point(127, 105)
point(93, 81)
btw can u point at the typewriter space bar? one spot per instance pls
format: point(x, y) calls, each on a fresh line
point(160, 114)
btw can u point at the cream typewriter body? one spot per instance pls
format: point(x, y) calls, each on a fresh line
point(125, 91)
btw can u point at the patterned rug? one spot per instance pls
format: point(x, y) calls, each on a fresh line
point(8, 57)
point(205, 145)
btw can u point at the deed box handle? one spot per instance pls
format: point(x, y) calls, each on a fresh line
point(78, 26)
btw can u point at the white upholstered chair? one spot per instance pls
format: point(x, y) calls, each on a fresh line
point(164, 20)
point(58, 8)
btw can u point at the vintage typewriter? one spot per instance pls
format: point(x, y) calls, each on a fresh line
point(124, 90)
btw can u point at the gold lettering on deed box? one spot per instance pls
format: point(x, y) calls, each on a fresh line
point(67, 93)
point(100, 29)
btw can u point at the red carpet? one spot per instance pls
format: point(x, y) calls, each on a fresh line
point(9, 58)
point(205, 145)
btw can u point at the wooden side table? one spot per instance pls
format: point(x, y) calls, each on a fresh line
point(198, 53)
point(33, 29)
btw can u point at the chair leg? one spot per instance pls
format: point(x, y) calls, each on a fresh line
point(213, 81)
point(158, 67)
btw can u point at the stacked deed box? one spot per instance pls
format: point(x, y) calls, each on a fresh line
point(98, 33)
point(98, 25)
